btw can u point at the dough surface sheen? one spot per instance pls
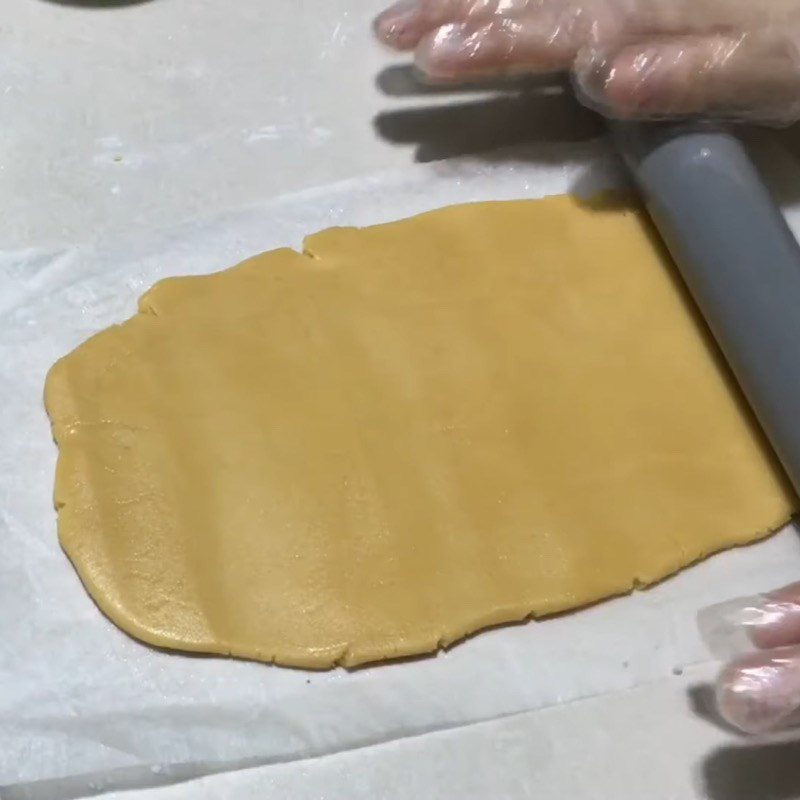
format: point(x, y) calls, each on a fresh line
point(406, 434)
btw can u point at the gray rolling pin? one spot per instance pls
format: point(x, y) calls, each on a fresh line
point(738, 258)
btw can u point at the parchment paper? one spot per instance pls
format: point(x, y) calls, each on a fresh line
point(84, 708)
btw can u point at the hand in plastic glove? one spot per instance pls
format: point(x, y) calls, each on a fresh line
point(738, 59)
point(760, 691)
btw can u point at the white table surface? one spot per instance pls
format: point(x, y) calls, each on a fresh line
point(128, 118)
point(143, 115)
point(649, 742)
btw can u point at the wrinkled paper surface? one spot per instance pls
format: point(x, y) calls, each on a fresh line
point(84, 708)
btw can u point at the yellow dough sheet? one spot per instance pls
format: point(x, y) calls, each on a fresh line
point(406, 434)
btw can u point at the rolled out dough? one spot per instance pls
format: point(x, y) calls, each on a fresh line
point(406, 434)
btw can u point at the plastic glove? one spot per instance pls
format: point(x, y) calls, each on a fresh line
point(735, 59)
point(760, 691)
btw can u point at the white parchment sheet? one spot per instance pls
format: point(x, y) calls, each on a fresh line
point(84, 708)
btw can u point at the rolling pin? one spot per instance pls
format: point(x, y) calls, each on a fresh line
point(736, 255)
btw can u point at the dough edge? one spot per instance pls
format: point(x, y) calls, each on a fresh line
point(345, 655)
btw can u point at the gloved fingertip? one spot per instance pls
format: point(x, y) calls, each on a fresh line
point(459, 51)
point(726, 628)
point(397, 25)
point(779, 622)
point(441, 54)
point(746, 623)
point(626, 84)
point(760, 692)
point(590, 73)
